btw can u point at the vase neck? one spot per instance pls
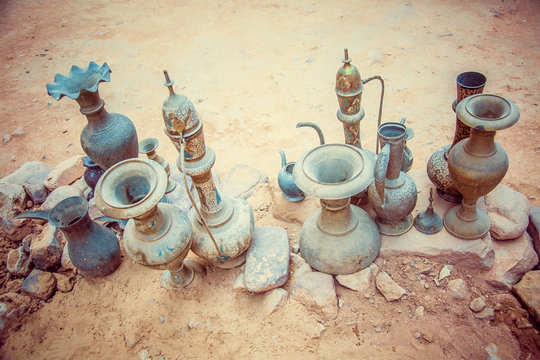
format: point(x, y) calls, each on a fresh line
point(481, 143)
point(93, 107)
point(336, 216)
point(152, 221)
point(462, 132)
point(81, 228)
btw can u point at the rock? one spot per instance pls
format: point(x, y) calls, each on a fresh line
point(27, 242)
point(477, 304)
point(178, 196)
point(241, 179)
point(417, 335)
point(46, 248)
point(15, 229)
point(240, 282)
point(445, 271)
point(316, 291)
point(513, 258)
point(27, 171)
point(267, 260)
point(388, 287)
point(35, 186)
point(144, 355)
point(374, 269)
point(18, 131)
point(39, 284)
point(486, 314)
point(6, 138)
point(131, 337)
point(65, 173)
point(428, 336)
point(193, 323)
point(441, 247)
point(303, 269)
point(296, 261)
point(296, 248)
point(65, 261)
point(291, 212)
point(274, 299)
point(458, 289)
point(508, 211)
point(359, 281)
point(419, 312)
point(317, 331)
point(534, 228)
point(12, 200)
point(59, 194)
point(63, 283)
point(528, 290)
point(18, 262)
point(81, 185)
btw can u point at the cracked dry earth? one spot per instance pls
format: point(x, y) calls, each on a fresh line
point(253, 70)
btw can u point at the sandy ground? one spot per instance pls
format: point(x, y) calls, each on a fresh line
point(253, 70)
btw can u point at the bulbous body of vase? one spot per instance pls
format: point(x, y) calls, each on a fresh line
point(468, 83)
point(393, 193)
point(157, 235)
point(108, 138)
point(478, 164)
point(339, 238)
point(286, 182)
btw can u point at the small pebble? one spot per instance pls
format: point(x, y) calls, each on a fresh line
point(161, 319)
point(6, 138)
point(417, 335)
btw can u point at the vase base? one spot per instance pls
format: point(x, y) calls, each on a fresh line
point(394, 228)
point(449, 197)
point(294, 198)
point(468, 230)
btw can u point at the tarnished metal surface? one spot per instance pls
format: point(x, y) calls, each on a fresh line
point(478, 164)
point(392, 194)
point(339, 238)
point(428, 221)
point(157, 235)
point(93, 249)
point(230, 219)
point(107, 138)
point(286, 182)
point(148, 147)
point(468, 83)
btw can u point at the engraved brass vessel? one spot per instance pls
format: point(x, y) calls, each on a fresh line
point(478, 164)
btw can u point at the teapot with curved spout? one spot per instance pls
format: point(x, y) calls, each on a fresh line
point(286, 182)
point(392, 194)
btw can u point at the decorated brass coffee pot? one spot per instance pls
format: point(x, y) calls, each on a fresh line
point(223, 228)
point(148, 147)
point(392, 194)
point(478, 164)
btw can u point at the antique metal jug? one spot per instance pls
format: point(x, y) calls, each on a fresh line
point(286, 182)
point(148, 147)
point(478, 164)
point(338, 238)
point(392, 194)
point(223, 229)
point(93, 249)
point(468, 83)
point(157, 235)
point(107, 138)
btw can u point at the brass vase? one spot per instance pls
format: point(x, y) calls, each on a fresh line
point(468, 83)
point(392, 194)
point(229, 218)
point(339, 238)
point(478, 164)
point(157, 235)
point(107, 138)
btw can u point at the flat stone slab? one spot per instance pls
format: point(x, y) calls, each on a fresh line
point(528, 291)
point(267, 260)
point(441, 247)
point(513, 258)
point(391, 290)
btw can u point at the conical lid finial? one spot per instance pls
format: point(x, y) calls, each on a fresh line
point(168, 82)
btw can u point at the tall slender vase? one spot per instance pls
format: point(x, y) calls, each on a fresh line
point(478, 164)
point(108, 138)
point(468, 83)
